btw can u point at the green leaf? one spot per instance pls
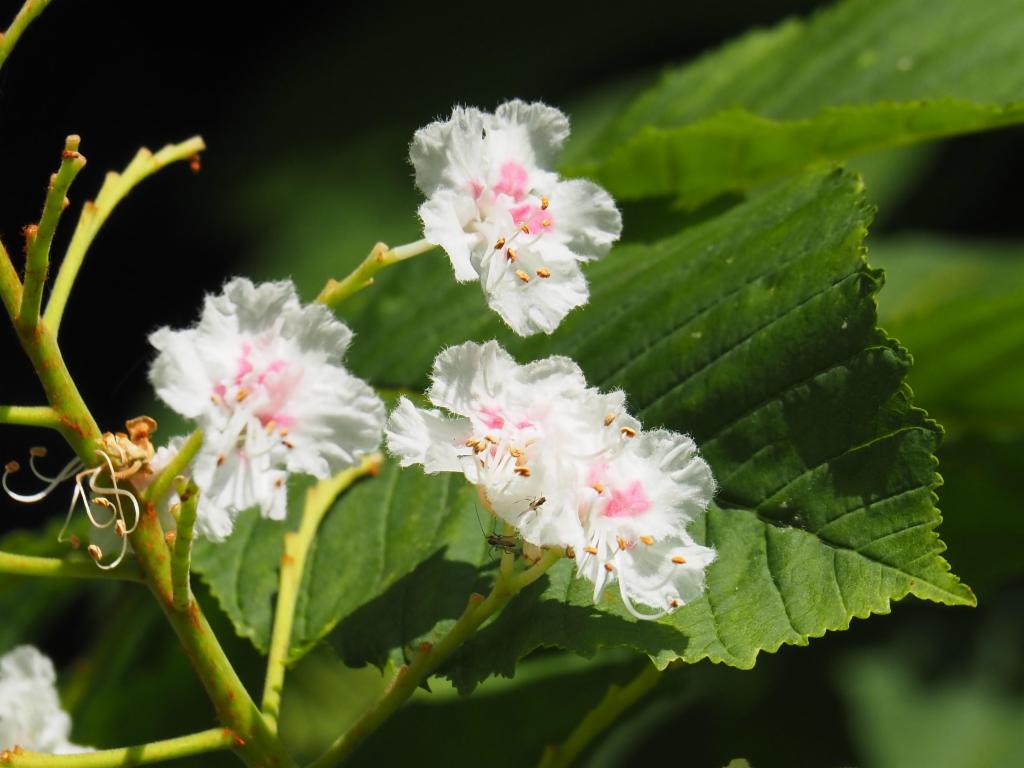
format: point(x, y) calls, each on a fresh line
point(960, 307)
point(756, 333)
point(861, 76)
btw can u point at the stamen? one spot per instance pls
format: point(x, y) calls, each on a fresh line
point(648, 540)
point(95, 552)
point(515, 452)
point(544, 202)
point(472, 442)
point(621, 542)
point(284, 432)
point(599, 487)
point(491, 439)
point(545, 222)
point(215, 399)
point(609, 567)
point(628, 432)
point(271, 426)
point(609, 419)
point(678, 559)
point(220, 460)
point(590, 550)
point(119, 529)
point(510, 254)
point(570, 553)
point(287, 444)
point(674, 603)
point(522, 276)
point(242, 394)
point(37, 451)
point(523, 471)
point(525, 228)
point(500, 244)
point(11, 467)
point(544, 273)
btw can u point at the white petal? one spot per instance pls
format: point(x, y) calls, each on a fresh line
point(464, 372)
point(544, 128)
point(448, 152)
point(30, 713)
point(649, 576)
point(541, 304)
point(418, 436)
point(586, 218)
point(444, 217)
point(314, 328)
point(178, 374)
point(247, 306)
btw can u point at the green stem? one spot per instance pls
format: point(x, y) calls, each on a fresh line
point(94, 214)
point(156, 751)
point(10, 284)
point(336, 291)
point(178, 464)
point(319, 499)
point(28, 13)
point(615, 701)
point(29, 565)
point(430, 658)
point(257, 744)
point(30, 416)
point(38, 239)
point(181, 556)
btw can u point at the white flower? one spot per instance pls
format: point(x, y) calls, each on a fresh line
point(504, 217)
point(30, 712)
point(566, 466)
point(263, 376)
point(639, 501)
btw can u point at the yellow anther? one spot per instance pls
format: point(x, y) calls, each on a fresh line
point(500, 244)
point(510, 254)
point(628, 432)
point(522, 276)
point(570, 553)
point(515, 451)
point(599, 487)
point(242, 394)
point(491, 439)
point(544, 272)
point(271, 426)
point(221, 459)
point(105, 503)
point(523, 471)
point(590, 550)
point(673, 603)
point(609, 419)
point(283, 432)
point(544, 202)
point(38, 451)
point(621, 542)
point(545, 222)
point(647, 540)
point(11, 467)
point(215, 399)
point(472, 442)
point(95, 552)
point(678, 559)
point(609, 567)
point(524, 228)
point(120, 529)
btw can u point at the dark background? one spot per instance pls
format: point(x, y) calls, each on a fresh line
point(273, 90)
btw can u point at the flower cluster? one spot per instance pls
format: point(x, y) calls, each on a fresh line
point(262, 375)
point(568, 467)
point(505, 218)
point(30, 712)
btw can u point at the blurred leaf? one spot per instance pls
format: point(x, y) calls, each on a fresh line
point(901, 720)
point(960, 307)
point(755, 332)
point(860, 76)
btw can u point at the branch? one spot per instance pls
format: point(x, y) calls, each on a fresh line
point(29, 565)
point(28, 13)
point(431, 657)
point(319, 499)
point(10, 284)
point(156, 751)
point(38, 238)
point(181, 555)
point(336, 291)
point(615, 701)
point(161, 484)
point(94, 214)
point(30, 416)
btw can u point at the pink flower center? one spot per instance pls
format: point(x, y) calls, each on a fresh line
point(266, 386)
point(534, 217)
point(513, 181)
point(631, 502)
